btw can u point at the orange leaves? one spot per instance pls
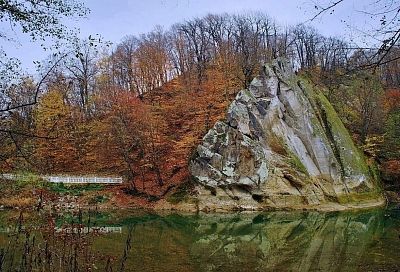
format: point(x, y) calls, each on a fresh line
point(118, 130)
point(147, 139)
point(188, 111)
point(393, 166)
point(132, 141)
point(392, 100)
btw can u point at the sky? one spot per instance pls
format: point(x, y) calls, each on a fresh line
point(114, 19)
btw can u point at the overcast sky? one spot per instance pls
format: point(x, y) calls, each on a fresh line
point(114, 19)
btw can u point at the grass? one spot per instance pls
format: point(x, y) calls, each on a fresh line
point(295, 162)
point(98, 199)
point(74, 189)
point(21, 192)
point(24, 180)
point(18, 201)
point(276, 144)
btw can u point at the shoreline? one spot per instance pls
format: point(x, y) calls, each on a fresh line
point(191, 208)
point(326, 207)
point(111, 199)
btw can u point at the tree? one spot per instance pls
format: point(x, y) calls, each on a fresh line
point(151, 62)
point(247, 32)
point(392, 124)
point(178, 51)
point(333, 54)
point(386, 32)
point(42, 20)
point(16, 126)
point(358, 101)
point(128, 137)
point(390, 153)
point(390, 71)
point(255, 42)
point(198, 41)
point(82, 70)
point(306, 41)
point(123, 63)
point(55, 152)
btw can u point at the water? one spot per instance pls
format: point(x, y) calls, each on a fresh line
point(139, 241)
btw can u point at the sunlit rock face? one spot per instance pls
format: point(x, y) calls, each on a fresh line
point(282, 145)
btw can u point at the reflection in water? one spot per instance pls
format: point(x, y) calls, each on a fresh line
point(277, 241)
point(288, 242)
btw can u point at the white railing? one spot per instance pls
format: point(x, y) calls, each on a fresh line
point(90, 229)
point(70, 179)
point(73, 230)
point(8, 176)
point(6, 230)
point(76, 179)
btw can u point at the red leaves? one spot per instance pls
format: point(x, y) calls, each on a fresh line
point(391, 169)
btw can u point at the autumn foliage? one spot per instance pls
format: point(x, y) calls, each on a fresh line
point(140, 110)
point(147, 140)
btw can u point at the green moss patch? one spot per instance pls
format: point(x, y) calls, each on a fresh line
point(358, 197)
point(351, 159)
point(295, 162)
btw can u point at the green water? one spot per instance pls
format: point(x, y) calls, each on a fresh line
point(273, 241)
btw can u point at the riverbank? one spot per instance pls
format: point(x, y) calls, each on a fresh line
point(326, 207)
point(60, 197)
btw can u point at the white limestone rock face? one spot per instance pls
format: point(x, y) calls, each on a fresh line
point(282, 146)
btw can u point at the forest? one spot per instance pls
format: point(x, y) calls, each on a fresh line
point(219, 139)
point(139, 108)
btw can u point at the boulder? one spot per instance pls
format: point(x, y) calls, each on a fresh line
point(282, 146)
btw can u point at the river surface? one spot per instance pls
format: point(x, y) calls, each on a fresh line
point(140, 241)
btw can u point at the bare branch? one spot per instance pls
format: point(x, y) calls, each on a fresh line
point(325, 9)
point(21, 133)
point(35, 98)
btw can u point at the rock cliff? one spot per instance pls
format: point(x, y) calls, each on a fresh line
point(282, 146)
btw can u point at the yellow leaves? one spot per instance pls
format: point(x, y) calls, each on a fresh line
point(56, 152)
point(51, 112)
point(372, 145)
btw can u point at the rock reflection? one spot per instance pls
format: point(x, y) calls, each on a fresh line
point(285, 241)
point(274, 241)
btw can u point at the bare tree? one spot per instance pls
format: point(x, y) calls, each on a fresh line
point(199, 44)
point(306, 41)
point(123, 62)
point(82, 70)
point(386, 33)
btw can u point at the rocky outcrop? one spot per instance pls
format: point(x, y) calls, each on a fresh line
point(282, 146)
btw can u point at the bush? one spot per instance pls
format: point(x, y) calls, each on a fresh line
point(74, 189)
point(181, 193)
point(98, 199)
point(22, 180)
